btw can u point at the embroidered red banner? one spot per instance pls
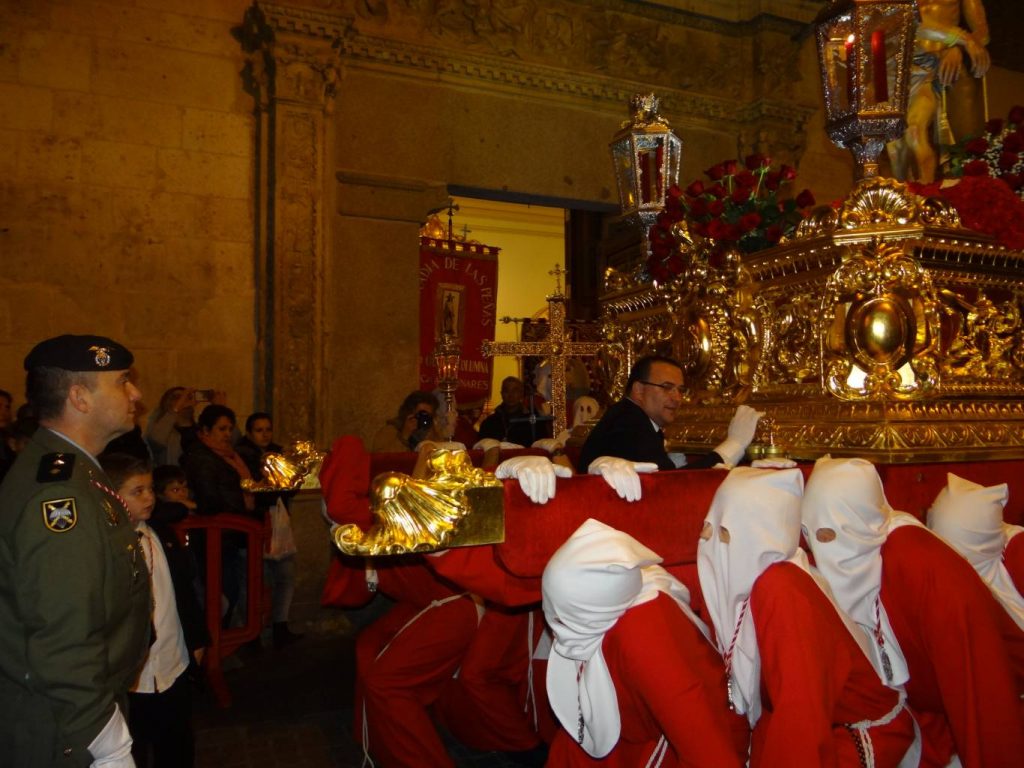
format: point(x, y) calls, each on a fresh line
point(458, 296)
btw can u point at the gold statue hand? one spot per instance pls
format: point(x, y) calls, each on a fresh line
point(950, 64)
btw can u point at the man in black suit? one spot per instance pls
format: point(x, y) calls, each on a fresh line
point(631, 429)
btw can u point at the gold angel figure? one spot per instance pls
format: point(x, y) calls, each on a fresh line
point(416, 515)
point(288, 471)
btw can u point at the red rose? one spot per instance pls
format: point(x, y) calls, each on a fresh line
point(697, 188)
point(746, 179)
point(976, 146)
point(729, 167)
point(698, 207)
point(674, 210)
point(1014, 142)
point(749, 221)
point(1007, 160)
point(1016, 115)
point(1015, 180)
point(976, 168)
point(787, 173)
point(994, 126)
point(716, 207)
point(773, 234)
point(662, 250)
point(772, 180)
point(657, 269)
point(755, 161)
point(699, 228)
point(716, 191)
point(740, 194)
point(718, 229)
point(674, 192)
point(805, 199)
point(715, 172)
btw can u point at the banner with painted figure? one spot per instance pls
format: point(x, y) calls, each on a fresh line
point(458, 296)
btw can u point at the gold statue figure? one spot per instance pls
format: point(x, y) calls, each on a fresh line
point(939, 50)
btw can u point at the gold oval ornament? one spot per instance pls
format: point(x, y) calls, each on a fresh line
point(880, 331)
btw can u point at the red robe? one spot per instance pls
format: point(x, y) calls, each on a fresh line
point(405, 659)
point(948, 626)
point(1013, 559)
point(668, 680)
point(814, 679)
point(494, 703)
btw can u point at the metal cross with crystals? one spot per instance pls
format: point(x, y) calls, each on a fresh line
point(557, 348)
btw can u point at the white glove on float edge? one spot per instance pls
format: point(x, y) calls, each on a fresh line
point(621, 474)
point(536, 475)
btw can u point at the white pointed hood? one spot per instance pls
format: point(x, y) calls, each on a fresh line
point(969, 517)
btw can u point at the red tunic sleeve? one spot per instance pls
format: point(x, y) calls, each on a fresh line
point(802, 671)
point(1013, 559)
point(947, 624)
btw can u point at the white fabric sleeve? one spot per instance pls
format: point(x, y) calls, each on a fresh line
point(112, 747)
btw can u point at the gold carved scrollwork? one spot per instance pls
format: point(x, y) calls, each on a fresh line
point(881, 315)
point(426, 515)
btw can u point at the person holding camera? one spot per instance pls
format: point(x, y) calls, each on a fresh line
point(172, 424)
point(413, 424)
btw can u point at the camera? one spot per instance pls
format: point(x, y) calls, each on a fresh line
point(203, 395)
point(424, 420)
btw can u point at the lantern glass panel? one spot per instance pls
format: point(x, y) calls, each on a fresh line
point(622, 156)
point(837, 53)
point(882, 41)
point(650, 156)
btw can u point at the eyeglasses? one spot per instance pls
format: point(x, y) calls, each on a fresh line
point(666, 386)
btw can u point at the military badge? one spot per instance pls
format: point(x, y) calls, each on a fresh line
point(112, 518)
point(102, 356)
point(55, 467)
point(60, 515)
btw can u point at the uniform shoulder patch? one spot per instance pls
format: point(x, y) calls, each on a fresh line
point(55, 467)
point(60, 515)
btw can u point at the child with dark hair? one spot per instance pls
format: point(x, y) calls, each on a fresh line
point(160, 702)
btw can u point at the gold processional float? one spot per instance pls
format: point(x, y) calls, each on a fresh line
point(881, 328)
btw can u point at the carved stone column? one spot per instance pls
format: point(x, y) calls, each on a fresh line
point(291, 72)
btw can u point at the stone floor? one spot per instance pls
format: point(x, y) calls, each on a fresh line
point(293, 707)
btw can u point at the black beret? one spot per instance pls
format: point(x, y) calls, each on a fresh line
point(80, 353)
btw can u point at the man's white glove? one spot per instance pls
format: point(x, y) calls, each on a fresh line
point(741, 432)
point(773, 463)
point(536, 475)
point(552, 444)
point(621, 474)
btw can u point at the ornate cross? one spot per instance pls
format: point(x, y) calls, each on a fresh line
point(557, 348)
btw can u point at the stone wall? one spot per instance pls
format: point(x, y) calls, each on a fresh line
point(126, 156)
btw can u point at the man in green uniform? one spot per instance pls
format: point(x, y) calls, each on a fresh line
point(74, 588)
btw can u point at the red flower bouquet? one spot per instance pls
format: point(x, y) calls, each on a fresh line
point(998, 153)
point(741, 207)
point(985, 204)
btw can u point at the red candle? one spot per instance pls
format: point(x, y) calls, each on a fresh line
point(850, 82)
point(878, 66)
